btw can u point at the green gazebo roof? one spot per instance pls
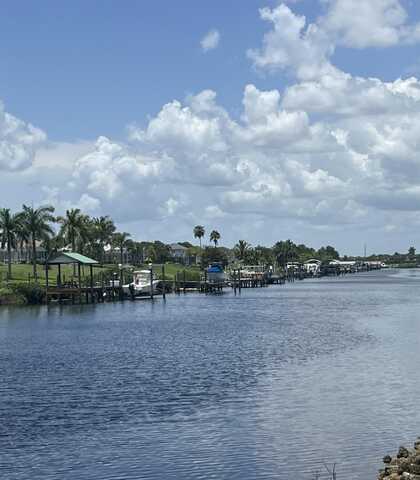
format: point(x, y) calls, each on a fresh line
point(71, 257)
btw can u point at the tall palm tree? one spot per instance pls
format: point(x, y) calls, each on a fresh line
point(9, 224)
point(72, 226)
point(215, 237)
point(104, 229)
point(241, 248)
point(199, 233)
point(22, 239)
point(37, 224)
point(120, 241)
point(86, 241)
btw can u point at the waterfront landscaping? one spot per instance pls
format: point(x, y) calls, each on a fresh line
point(33, 236)
point(22, 288)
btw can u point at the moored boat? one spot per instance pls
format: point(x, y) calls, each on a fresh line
point(142, 284)
point(215, 273)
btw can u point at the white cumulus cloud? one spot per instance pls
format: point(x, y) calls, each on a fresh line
point(210, 41)
point(330, 150)
point(373, 23)
point(18, 142)
point(292, 44)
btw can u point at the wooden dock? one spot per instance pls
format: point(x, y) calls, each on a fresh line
point(95, 294)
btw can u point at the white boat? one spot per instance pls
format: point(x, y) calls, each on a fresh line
point(141, 284)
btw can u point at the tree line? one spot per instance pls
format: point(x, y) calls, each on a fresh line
point(32, 228)
point(280, 253)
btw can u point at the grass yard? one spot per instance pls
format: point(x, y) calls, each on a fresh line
point(171, 269)
point(23, 272)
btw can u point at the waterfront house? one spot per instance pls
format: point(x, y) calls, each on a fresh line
point(179, 253)
point(312, 266)
point(112, 254)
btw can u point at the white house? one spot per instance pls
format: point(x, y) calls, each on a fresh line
point(179, 252)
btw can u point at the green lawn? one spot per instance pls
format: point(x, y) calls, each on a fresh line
point(171, 269)
point(23, 272)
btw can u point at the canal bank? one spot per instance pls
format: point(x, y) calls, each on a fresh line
point(118, 283)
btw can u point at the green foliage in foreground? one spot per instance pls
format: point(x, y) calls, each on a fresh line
point(32, 293)
point(9, 297)
point(22, 294)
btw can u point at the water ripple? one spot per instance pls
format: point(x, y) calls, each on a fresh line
point(269, 384)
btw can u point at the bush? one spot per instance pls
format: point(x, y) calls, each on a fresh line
point(33, 293)
point(214, 254)
point(9, 297)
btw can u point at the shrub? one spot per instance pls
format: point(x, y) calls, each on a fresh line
point(9, 297)
point(33, 293)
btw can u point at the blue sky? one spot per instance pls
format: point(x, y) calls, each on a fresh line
point(117, 62)
point(86, 68)
point(81, 72)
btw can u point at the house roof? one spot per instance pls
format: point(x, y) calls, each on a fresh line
point(341, 262)
point(177, 246)
point(313, 260)
point(72, 257)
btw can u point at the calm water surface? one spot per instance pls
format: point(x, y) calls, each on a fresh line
point(266, 385)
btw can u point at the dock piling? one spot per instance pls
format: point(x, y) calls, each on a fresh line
point(163, 282)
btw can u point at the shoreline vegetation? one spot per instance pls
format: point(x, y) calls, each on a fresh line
point(22, 289)
point(32, 236)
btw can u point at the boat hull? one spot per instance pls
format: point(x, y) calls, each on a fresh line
point(142, 289)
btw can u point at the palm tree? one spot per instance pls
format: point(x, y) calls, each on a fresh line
point(285, 251)
point(120, 240)
point(52, 244)
point(151, 254)
point(22, 239)
point(9, 225)
point(104, 229)
point(37, 224)
point(263, 255)
point(72, 226)
point(215, 237)
point(86, 241)
point(241, 248)
point(199, 233)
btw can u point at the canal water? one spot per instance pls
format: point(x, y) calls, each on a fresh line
point(266, 385)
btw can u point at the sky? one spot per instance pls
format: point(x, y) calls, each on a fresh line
point(265, 120)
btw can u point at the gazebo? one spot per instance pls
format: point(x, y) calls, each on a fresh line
point(70, 258)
